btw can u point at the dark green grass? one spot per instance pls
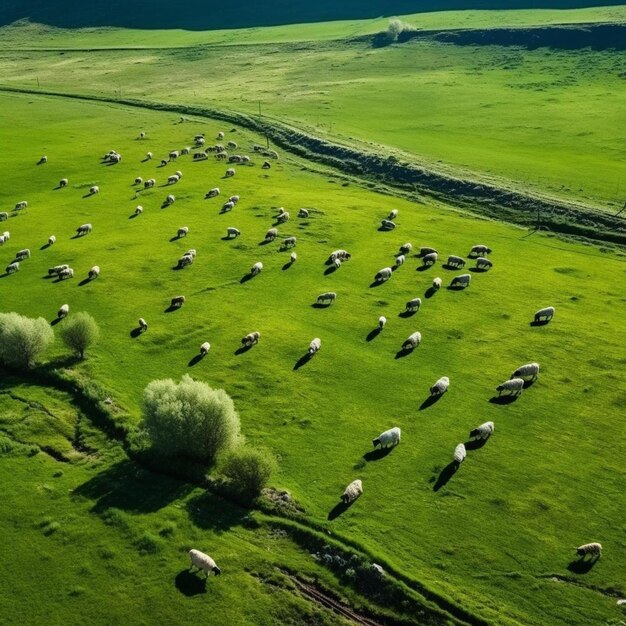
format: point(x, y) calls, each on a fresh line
point(549, 479)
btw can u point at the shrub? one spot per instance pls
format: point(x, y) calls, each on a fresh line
point(189, 420)
point(23, 339)
point(80, 332)
point(248, 470)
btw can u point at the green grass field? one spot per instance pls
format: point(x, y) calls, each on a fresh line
point(496, 539)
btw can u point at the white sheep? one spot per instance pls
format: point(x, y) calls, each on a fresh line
point(479, 250)
point(63, 182)
point(174, 154)
point(43, 159)
point(63, 311)
point(424, 250)
point(7, 235)
point(149, 183)
point(20, 255)
point(545, 314)
point(406, 248)
point(387, 225)
point(4, 216)
point(303, 213)
point(204, 348)
point(383, 275)
point(256, 268)
point(342, 255)
point(266, 165)
point(2, 240)
point(462, 281)
point(283, 217)
point(228, 206)
point(412, 341)
point(170, 199)
point(289, 242)
point(211, 193)
point(229, 172)
point(594, 549)
point(220, 136)
point(51, 240)
point(315, 345)
point(232, 144)
point(234, 199)
point(203, 562)
point(148, 156)
point(251, 338)
point(437, 283)
point(484, 431)
point(142, 135)
point(382, 320)
point(183, 231)
point(459, 454)
point(12, 267)
point(22, 204)
point(84, 229)
point(352, 492)
point(138, 210)
point(177, 301)
point(393, 214)
point(429, 259)
point(94, 272)
point(440, 387)
point(388, 438)
point(456, 261)
point(400, 260)
point(530, 370)
point(94, 190)
point(66, 273)
point(143, 325)
point(56, 269)
point(292, 257)
point(412, 306)
point(173, 179)
point(513, 386)
point(271, 234)
point(138, 181)
point(185, 260)
point(483, 264)
point(327, 298)
point(232, 232)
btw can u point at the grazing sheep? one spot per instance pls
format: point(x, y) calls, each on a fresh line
point(220, 136)
point(283, 217)
point(412, 341)
point(22, 204)
point(211, 193)
point(94, 190)
point(173, 179)
point(177, 301)
point(138, 210)
point(387, 225)
point(170, 199)
point(229, 172)
point(429, 259)
point(66, 273)
point(382, 320)
point(228, 206)
point(400, 260)
point(251, 338)
point(187, 149)
point(437, 283)
point(20, 255)
point(51, 240)
point(1, 240)
point(456, 261)
point(191, 252)
point(143, 325)
point(484, 431)
point(594, 549)
point(185, 260)
point(315, 345)
point(57, 269)
point(393, 214)
point(459, 454)
point(256, 268)
point(326, 298)
point(412, 306)
point(426, 250)
point(138, 180)
point(272, 154)
point(142, 135)
point(94, 272)
point(43, 159)
point(12, 267)
point(483, 264)
point(163, 162)
point(289, 242)
point(63, 182)
point(388, 439)
point(337, 263)
point(232, 232)
point(545, 314)
point(204, 348)
point(479, 250)
point(266, 165)
point(292, 257)
point(63, 311)
point(342, 255)
point(513, 386)
point(440, 387)
point(383, 275)
point(149, 183)
point(183, 231)
point(352, 492)
point(7, 235)
point(200, 156)
point(232, 145)
point(203, 562)
point(303, 213)
point(4, 216)
point(219, 148)
point(406, 248)
point(462, 281)
point(148, 155)
point(84, 229)
point(234, 199)
point(530, 370)
point(271, 234)
point(173, 155)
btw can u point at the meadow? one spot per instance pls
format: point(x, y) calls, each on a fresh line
point(495, 538)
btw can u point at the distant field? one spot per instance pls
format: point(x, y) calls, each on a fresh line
point(497, 539)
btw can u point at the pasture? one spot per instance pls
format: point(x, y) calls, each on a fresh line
point(496, 537)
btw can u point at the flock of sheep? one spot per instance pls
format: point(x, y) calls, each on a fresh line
point(429, 257)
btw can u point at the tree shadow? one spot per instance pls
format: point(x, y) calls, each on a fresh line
point(406, 314)
point(433, 398)
point(84, 281)
point(539, 322)
point(339, 509)
point(196, 359)
point(246, 278)
point(287, 265)
point(377, 454)
point(330, 270)
point(242, 350)
point(45, 246)
point(135, 332)
point(430, 292)
point(190, 584)
point(400, 354)
point(373, 334)
point(303, 360)
point(209, 511)
point(445, 475)
point(55, 321)
point(129, 487)
point(504, 400)
point(581, 566)
point(475, 444)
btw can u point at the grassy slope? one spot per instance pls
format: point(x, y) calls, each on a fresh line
point(512, 513)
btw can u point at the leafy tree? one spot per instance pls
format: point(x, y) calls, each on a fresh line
point(249, 470)
point(80, 332)
point(189, 419)
point(23, 339)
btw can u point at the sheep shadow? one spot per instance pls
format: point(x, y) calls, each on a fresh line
point(195, 360)
point(246, 278)
point(455, 287)
point(227, 238)
point(529, 383)
point(447, 266)
point(445, 475)
point(382, 229)
point(76, 236)
point(377, 454)
point(303, 360)
point(242, 350)
point(321, 305)
point(45, 246)
point(504, 400)
point(338, 509)
point(84, 281)
point(406, 314)
point(164, 205)
point(377, 283)
point(422, 268)
point(475, 444)
point(175, 238)
point(265, 242)
point(330, 270)
point(287, 265)
point(373, 334)
point(539, 322)
point(135, 332)
point(145, 160)
point(171, 308)
point(190, 584)
point(430, 292)
point(581, 566)
point(132, 216)
point(88, 195)
point(400, 354)
point(433, 398)
point(55, 321)
point(178, 267)
point(4, 275)
point(479, 270)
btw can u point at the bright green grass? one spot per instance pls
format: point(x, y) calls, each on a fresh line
point(27, 35)
point(551, 478)
point(546, 121)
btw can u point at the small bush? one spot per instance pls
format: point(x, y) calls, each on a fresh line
point(168, 529)
point(248, 471)
point(80, 332)
point(149, 544)
point(23, 339)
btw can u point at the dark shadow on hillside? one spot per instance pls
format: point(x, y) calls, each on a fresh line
point(581, 566)
point(445, 475)
point(373, 334)
point(377, 454)
point(400, 354)
point(475, 444)
point(503, 400)
point(60, 362)
point(190, 584)
point(128, 487)
point(210, 512)
point(196, 359)
point(432, 399)
point(339, 509)
point(303, 360)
